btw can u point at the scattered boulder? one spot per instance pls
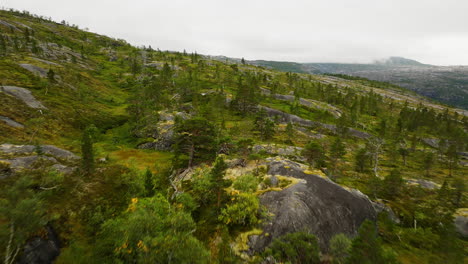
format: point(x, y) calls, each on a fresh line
point(41, 250)
point(11, 122)
point(423, 183)
point(313, 204)
point(285, 151)
point(41, 72)
point(461, 222)
point(24, 95)
point(431, 142)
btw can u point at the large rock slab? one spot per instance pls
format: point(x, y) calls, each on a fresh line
point(11, 122)
point(24, 95)
point(46, 149)
point(285, 117)
point(314, 204)
point(461, 221)
point(41, 72)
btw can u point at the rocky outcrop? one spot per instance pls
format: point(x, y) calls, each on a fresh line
point(423, 183)
point(24, 95)
point(11, 122)
point(461, 221)
point(285, 151)
point(314, 204)
point(309, 103)
point(41, 72)
point(285, 117)
point(163, 132)
point(29, 149)
point(41, 250)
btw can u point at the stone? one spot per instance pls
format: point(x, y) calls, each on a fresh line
point(162, 132)
point(423, 183)
point(27, 162)
point(11, 122)
point(461, 222)
point(41, 250)
point(285, 117)
point(46, 149)
point(35, 69)
point(24, 95)
point(313, 204)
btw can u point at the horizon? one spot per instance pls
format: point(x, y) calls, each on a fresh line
point(273, 31)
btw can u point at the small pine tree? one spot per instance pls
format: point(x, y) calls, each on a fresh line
point(217, 178)
point(338, 149)
point(362, 160)
point(149, 184)
point(314, 154)
point(87, 151)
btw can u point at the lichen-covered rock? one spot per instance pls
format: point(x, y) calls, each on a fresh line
point(11, 122)
point(461, 221)
point(313, 204)
point(423, 183)
point(41, 72)
point(285, 151)
point(30, 149)
point(24, 95)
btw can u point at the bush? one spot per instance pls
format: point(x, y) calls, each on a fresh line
point(299, 247)
point(246, 183)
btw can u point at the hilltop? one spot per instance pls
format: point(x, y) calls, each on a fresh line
point(445, 84)
point(115, 153)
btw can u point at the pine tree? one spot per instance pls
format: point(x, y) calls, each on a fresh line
point(149, 184)
point(314, 154)
point(87, 151)
point(362, 160)
point(367, 247)
point(217, 178)
point(338, 149)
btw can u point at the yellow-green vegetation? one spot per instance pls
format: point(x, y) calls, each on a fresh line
point(108, 99)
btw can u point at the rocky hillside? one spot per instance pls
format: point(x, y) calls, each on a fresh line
point(113, 153)
point(445, 84)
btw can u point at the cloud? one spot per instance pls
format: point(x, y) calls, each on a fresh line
point(432, 31)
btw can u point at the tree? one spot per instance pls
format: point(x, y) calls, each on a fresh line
point(367, 247)
point(149, 184)
point(264, 125)
point(428, 162)
point(299, 247)
point(452, 157)
point(392, 184)
point(340, 246)
point(290, 130)
point(51, 75)
point(362, 160)
point(87, 150)
point(217, 177)
point(21, 214)
point(152, 231)
point(404, 154)
point(195, 141)
point(314, 154)
point(337, 150)
point(375, 147)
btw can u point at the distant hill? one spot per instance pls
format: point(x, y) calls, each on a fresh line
point(446, 84)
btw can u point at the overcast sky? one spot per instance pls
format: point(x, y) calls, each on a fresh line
point(430, 31)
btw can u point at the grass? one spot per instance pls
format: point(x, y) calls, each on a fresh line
point(140, 158)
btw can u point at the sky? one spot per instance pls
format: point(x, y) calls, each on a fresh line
point(350, 31)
